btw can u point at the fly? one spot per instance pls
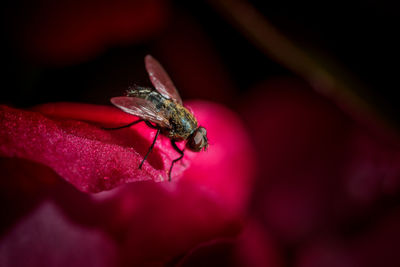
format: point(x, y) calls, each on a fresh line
point(161, 108)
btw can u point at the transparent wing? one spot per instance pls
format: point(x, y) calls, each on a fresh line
point(161, 80)
point(140, 107)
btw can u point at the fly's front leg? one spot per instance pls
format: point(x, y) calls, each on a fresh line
point(175, 160)
point(125, 126)
point(154, 142)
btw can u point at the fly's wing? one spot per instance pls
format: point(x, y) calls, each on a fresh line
point(140, 107)
point(161, 80)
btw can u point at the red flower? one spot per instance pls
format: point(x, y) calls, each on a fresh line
point(135, 222)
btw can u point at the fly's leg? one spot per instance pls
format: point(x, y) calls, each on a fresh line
point(175, 160)
point(148, 124)
point(154, 142)
point(125, 126)
point(151, 125)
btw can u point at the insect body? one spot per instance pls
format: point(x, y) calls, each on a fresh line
point(181, 121)
point(163, 107)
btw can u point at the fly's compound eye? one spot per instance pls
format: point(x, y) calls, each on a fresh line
point(198, 140)
point(203, 131)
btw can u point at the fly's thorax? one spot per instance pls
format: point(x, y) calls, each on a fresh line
point(182, 121)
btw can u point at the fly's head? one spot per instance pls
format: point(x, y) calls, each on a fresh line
point(198, 140)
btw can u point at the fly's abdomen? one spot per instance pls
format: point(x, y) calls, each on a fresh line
point(148, 94)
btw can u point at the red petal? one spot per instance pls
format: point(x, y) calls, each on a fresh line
point(226, 170)
point(90, 158)
point(154, 223)
point(46, 238)
point(159, 222)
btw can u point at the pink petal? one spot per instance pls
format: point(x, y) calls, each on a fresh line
point(166, 220)
point(253, 247)
point(227, 169)
point(90, 158)
point(46, 238)
point(159, 222)
point(154, 223)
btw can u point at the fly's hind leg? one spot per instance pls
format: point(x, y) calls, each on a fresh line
point(175, 160)
point(125, 126)
point(148, 124)
point(152, 145)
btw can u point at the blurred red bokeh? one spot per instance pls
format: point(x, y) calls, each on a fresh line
point(325, 191)
point(67, 32)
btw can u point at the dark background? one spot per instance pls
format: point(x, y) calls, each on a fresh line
point(360, 35)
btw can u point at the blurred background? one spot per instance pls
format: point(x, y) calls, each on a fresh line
point(315, 82)
point(88, 51)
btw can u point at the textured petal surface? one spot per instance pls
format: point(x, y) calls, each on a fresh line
point(151, 223)
point(90, 158)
